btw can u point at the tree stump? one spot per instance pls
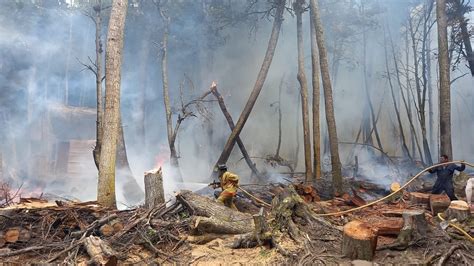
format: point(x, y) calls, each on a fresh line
point(414, 227)
point(439, 203)
point(154, 192)
point(359, 241)
point(259, 237)
point(99, 251)
point(420, 198)
point(459, 210)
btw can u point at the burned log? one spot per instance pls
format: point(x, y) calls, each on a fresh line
point(458, 210)
point(359, 241)
point(213, 217)
point(154, 192)
point(439, 203)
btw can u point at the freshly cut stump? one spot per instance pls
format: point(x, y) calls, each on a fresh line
point(420, 198)
point(439, 203)
point(359, 241)
point(459, 210)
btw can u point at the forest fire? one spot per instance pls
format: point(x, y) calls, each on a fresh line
point(340, 132)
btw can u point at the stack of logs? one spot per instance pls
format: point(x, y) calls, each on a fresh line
point(307, 192)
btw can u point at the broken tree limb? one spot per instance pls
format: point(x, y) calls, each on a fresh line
point(359, 241)
point(230, 121)
point(213, 217)
point(154, 192)
point(99, 250)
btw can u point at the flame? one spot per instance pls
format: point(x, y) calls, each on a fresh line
point(213, 84)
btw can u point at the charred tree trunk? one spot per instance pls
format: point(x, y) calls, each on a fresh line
point(301, 76)
point(280, 8)
point(154, 193)
point(316, 99)
point(113, 59)
point(230, 121)
point(331, 121)
point(444, 80)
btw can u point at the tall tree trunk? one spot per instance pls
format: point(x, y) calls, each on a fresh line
point(444, 81)
point(369, 112)
point(331, 121)
point(405, 150)
point(430, 92)
point(280, 8)
point(143, 77)
point(98, 82)
point(460, 10)
point(316, 99)
point(113, 63)
point(301, 76)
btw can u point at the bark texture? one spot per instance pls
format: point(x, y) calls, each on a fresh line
point(328, 100)
point(316, 99)
point(113, 63)
point(154, 192)
point(444, 80)
point(301, 76)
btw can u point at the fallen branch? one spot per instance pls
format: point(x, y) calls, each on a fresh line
point(446, 256)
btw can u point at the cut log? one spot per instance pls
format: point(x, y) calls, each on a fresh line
point(387, 226)
point(213, 217)
point(420, 198)
point(106, 230)
point(359, 241)
point(459, 210)
point(99, 251)
point(12, 235)
point(439, 203)
point(154, 192)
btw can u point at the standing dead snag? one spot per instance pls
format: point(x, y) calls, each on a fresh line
point(230, 121)
point(359, 241)
point(154, 192)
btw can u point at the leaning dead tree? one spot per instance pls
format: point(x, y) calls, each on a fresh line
point(328, 99)
point(272, 43)
point(113, 59)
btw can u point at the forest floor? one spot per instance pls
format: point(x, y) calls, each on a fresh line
point(39, 230)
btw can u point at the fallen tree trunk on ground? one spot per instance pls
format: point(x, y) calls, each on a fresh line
point(213, 217)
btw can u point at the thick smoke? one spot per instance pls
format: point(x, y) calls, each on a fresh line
point(42, 47)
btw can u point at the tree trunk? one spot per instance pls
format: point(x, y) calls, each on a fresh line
point(143, 77)
point(460, 9)
point(98, 82)
point(405, 150)
point(166, 98)
point(230, 121)
point(301, 76)
point(331, 121)
point(280, 8)
point(113, 59)
point(444, 81)
point(316, 99)
point(154, 193)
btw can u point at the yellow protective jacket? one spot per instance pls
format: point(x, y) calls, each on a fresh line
point(229, 182)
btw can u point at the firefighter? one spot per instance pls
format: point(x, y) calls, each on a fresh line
point(445, 177)
point(229, 183)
